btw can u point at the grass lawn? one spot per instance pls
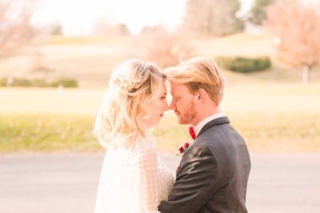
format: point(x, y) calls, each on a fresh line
point(271, 109)
point(278, 118)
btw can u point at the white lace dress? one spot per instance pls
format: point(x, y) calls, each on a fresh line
point(133, 180)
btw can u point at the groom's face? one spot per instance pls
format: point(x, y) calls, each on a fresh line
point(183, 103)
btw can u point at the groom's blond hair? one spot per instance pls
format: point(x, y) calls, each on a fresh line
point(197, 73)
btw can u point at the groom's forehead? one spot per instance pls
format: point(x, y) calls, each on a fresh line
point(177, 88)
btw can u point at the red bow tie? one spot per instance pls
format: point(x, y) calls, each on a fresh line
point(192, 133)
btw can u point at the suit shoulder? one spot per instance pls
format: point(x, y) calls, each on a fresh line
point(200, 150)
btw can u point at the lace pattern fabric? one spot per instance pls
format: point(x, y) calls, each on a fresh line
point(133, 180)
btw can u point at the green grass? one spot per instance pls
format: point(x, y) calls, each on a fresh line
point(44, 133)
point(21, 133)
point(271, 118)
point(271, 132)
point(279, 132)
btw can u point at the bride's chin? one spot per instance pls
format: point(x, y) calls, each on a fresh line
point(156, 123)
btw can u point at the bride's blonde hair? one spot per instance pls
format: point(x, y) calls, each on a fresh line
point(131, 87)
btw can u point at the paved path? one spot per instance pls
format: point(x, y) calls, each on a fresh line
point(279, 183)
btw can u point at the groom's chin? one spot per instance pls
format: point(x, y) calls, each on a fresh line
point(181, 121)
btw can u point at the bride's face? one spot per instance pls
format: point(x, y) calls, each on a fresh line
point(157, 105)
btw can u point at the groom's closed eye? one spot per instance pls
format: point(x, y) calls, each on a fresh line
point(175, 98)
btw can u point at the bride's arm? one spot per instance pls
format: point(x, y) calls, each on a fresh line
point(147, 181)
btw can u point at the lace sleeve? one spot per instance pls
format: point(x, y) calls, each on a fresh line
point(133, 180)
point(147, 189)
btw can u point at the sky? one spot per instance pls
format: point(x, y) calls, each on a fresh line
point(78, 16)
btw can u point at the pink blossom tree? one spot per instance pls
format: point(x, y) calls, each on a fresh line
point(297, 25)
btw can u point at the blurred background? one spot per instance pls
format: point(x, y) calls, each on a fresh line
point(56, 57)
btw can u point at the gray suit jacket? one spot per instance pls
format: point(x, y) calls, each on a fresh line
point(213, 173)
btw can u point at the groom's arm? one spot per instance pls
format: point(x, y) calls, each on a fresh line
point(195, 183)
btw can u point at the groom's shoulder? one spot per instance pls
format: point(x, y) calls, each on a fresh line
point(212, 129)
point(198, 149)
point(222, 123)
point(218, 133)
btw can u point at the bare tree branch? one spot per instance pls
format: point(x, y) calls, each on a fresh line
point(213, 17)
point(15, 25)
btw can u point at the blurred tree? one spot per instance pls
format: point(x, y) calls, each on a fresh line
point(213, 17)
point(56, 28)
point(297, 26)
point(258, 11)
point(15, 25)
point(122, 29)
point(104, 26)
point(155, 29)
point(165, 49)
point(109, 29)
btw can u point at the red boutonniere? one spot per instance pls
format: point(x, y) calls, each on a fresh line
point(183, 149)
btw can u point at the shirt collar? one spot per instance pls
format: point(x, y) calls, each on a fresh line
point(200, 125)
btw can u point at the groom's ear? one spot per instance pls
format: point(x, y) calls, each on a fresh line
point(200, 96)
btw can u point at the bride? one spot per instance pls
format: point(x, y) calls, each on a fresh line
point(134, 179)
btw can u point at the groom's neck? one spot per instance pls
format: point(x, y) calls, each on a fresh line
point(203, 113)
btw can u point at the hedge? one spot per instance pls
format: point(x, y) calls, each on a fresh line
point(21, 82)
point(242, 64)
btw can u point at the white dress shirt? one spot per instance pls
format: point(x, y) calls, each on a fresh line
point(200, 125)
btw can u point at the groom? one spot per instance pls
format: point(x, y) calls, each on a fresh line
point(214, 170)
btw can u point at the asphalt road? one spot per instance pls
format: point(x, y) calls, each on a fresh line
point(279, 183)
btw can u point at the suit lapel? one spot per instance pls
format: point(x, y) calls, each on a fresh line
point(218, 121)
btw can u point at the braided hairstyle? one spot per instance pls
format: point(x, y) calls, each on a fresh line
point(130, 84)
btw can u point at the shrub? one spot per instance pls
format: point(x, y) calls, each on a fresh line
point(243, 65)
point(40, 83)
point(20, 82)
point(3, 82)
point(65, 82)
